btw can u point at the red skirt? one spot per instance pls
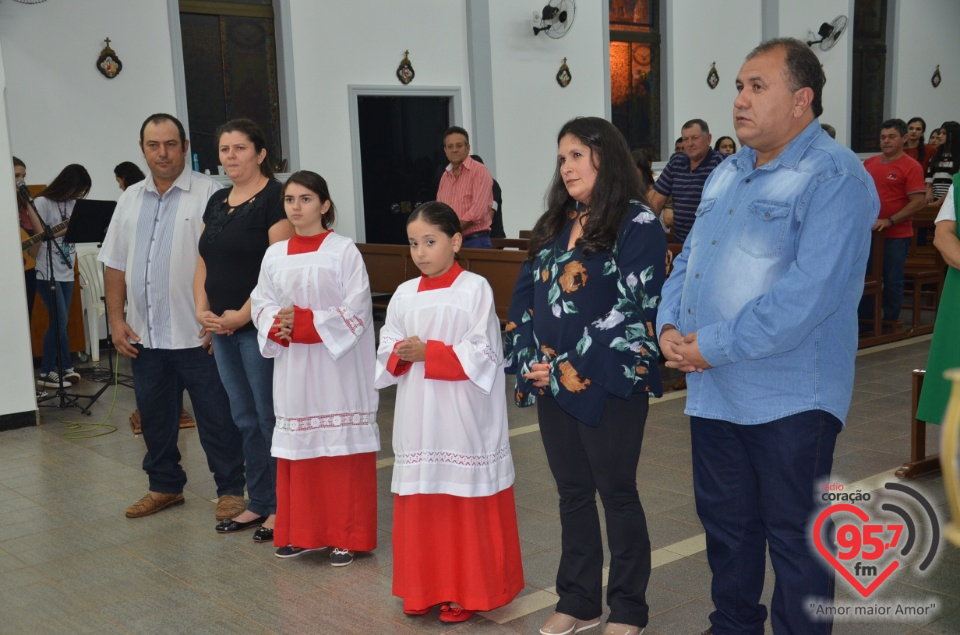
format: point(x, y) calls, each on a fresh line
point(330, 501)
point(454, 549)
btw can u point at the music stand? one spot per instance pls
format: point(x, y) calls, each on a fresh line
point(89, 224)
point(89, 221)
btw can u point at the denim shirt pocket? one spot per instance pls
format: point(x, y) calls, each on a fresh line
point(763, 231)
point(704, 208)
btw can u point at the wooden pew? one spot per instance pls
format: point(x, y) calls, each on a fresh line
point(924, 272)
point(919, 462)
point(388, 266)
point(501, 269)
point(523, 244)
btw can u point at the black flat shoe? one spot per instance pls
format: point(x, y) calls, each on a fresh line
point(263, 534)
point(229, 526)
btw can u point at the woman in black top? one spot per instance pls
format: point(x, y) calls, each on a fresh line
point(240, 222)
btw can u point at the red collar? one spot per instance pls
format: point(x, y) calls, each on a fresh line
point(442, 281)
point(306, 244)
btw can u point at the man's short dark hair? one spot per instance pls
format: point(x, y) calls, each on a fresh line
point(803, 68)
point(19, 163)
point(696, 122)
point(455, 130)
point(897, 124)
point(161, 117)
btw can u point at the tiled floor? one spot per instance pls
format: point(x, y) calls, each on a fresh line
point(70, 562)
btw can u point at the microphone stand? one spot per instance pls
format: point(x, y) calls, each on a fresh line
point(66, 400)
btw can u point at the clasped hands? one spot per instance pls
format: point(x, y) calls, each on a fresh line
point(411, 350)
point(539, 374)
point(224, 324)
point(682, 351)
point(283, 324)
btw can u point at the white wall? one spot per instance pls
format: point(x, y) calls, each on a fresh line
point(362, 43)
point(60, 108)
point(530, 106)
point(796, 20)
point(698, 34)
point(926, 36)
point(16, 374)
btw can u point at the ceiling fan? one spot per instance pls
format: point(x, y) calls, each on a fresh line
point(555, 19)
point(829, 33)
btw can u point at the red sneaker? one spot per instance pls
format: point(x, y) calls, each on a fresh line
point(416, 611)
point(454, 614)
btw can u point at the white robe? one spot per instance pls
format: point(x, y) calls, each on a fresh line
point(449, 437)
point(323, 393)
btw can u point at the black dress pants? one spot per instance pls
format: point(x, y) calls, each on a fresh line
point(586, 460)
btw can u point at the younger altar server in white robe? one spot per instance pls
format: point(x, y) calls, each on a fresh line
point(313, 313)
point(455, 539)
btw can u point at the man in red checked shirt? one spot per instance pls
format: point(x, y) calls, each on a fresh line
point(899, 181)
point(467, 187)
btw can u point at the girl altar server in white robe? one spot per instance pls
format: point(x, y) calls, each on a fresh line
point(455, 539)
point(313, 313)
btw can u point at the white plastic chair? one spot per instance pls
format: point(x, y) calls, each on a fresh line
point(91, 296)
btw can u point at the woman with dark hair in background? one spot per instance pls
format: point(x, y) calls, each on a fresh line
point(55, 206)
point(240, 222)
point(944, 164)
point(936, 137)
point(29, 226)
point(127, 173)
point(725, 145)
point(581, 341)
point(914, 147)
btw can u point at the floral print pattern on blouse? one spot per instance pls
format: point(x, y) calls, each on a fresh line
point(591, 318)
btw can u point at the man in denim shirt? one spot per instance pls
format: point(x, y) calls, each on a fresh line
point(761, 312)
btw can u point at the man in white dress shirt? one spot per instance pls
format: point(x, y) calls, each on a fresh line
point(150, 253)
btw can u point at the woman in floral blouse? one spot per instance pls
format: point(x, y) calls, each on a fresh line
point(581, 341)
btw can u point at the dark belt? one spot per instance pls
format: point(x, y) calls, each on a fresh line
point(483, 234)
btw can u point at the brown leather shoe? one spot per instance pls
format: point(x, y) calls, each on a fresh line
point(563, 624)
point(230, 506)
point(186, 421)
point(135, 422)
point(152, 503)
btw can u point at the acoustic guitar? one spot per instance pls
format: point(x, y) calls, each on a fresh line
point(27, 241)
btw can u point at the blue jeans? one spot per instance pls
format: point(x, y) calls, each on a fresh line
point(248, 378)
point(479, 242)
point(584, 461)
point(53, 336)
point(158, 375)
point(755, 486)
point(894, 260)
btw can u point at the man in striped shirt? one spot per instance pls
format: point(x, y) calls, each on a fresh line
point(467, 187)
point(684, 176)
